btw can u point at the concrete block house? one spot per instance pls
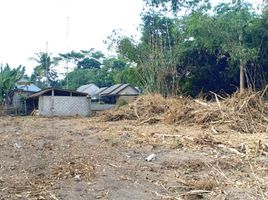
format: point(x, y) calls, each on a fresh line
point(59, 102)
point(23, 89)
point(118, 93)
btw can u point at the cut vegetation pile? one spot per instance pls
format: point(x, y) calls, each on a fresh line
point(148, 108)
point(244, 113)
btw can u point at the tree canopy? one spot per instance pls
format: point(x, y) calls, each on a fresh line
point(45, 69)
point(206, 49)
point(186, 47)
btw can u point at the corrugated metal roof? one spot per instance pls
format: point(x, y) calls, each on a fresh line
point(35, 95)
point(81, 88)
point(99, 91)
point(28, 88)
point(26, 85)
point(90, 89)
point(109, 90)
point(115, 89)
point(119, 89)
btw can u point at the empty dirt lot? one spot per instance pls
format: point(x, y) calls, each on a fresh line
point(87, 158)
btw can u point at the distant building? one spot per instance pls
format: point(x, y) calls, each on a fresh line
point(119, 92)
point(59, 102)
point(108, 97)
point(23, 89)
point(26, 85)
point(90, 89)
point(96, 96)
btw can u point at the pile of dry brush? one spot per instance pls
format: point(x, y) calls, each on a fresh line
point(244, 113)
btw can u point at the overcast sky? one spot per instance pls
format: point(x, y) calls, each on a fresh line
point(26, 26)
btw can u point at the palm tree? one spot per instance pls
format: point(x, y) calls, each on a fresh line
point(45, 67)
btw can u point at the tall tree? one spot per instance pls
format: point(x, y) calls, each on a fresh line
point(83, 59)
point(234, 21)
point(45, 68)
point(177, 5)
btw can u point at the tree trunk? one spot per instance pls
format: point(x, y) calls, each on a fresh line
point(242, 77)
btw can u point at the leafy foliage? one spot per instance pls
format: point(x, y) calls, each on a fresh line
point(201, 51)
point(80, 77)
point(45, 69)
point(177, 5)
point(83, 59)
point(205, 49)
point(8, 78)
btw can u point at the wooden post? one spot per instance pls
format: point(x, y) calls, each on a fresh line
point(242, 77)
point(25, 107)
point(52, 102)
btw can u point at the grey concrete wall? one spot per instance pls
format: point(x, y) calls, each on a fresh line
point(99, 107)
point(129, 90)
point(17, 100)
point(64, 106)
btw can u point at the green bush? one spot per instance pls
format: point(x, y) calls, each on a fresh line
point(122, 102)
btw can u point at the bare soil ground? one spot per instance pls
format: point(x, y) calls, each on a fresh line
point(87, 158)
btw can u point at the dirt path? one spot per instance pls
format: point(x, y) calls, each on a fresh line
point(80, 158)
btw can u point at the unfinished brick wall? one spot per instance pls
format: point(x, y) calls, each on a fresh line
point(64, 106)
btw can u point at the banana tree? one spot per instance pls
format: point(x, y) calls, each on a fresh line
point(8, 78)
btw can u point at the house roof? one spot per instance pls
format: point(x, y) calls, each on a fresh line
point(89, 88)
point(115, 89)
point(58, 92)
point(100, 90)
point(27, 86)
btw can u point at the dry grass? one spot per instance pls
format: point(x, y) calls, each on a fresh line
point(202, 184)
point(148, 107)
point(77, 151)
point(38, 186)
point(82, 170)
point(247, 113)
point(194, 165)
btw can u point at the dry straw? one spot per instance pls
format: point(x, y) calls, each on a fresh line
point(246, 113)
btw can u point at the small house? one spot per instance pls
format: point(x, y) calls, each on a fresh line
point(23, 89)
point(119, 93)
point(59, 102)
